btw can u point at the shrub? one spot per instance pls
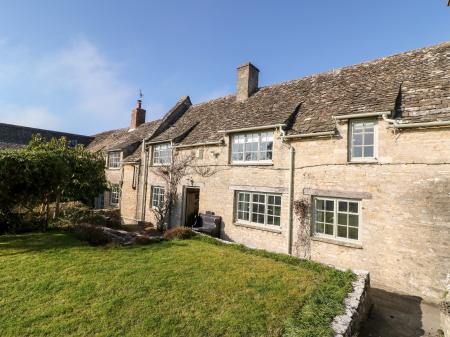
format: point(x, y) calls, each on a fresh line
point(180, 233)
point(95, 236)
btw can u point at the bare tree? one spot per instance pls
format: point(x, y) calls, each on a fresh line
point(172, 174)
point(303, 244)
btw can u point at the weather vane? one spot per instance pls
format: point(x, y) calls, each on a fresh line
point(140, 94)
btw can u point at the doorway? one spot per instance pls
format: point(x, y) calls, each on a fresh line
point(192, 205)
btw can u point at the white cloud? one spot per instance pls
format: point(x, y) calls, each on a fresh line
point(75, 88)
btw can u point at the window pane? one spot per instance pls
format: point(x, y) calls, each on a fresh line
point(368, 151)
point(277, 221)
point(343, 206)
point(342, 219)
point(353, 207)
point(342, 231)
point(353, 220)
point(357, 151)
point(357, 139)
point(329, 205)
point(353, 233)
point(329, 216)
point(320, 228)
point(320, 216)
point(368, 139)
point(328, 229)
point(320, 204)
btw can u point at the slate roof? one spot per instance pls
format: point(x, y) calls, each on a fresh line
point(15, 136)
point(121, 139)
point(414, 86)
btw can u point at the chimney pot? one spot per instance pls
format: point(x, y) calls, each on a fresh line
point(247, 81)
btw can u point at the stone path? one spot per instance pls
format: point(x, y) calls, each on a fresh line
point(395, 315)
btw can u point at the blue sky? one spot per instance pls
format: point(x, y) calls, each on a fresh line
point(77, 66)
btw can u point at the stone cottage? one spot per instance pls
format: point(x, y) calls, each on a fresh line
point(364, 151)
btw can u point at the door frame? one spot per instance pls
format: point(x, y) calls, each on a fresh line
point(183, 213)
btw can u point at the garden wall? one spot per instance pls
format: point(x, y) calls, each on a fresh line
point(357, 307)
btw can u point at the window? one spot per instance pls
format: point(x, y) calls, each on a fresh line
point(161, 153)
point(252, 147)
point(258, 208)
point(115, 195)
point(362, 140)
point(158, 196)
point(337, 218)
point(135, 177)
point(114, 159)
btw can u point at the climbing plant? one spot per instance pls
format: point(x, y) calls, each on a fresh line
point(303, 242)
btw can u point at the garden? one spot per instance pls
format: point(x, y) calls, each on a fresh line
point(52, 284)
point(66, 270)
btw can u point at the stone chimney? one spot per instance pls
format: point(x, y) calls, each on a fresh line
point(247, 81)
point(137, 115)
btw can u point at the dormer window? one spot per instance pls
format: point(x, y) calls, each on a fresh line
point(252, 147)
point(162, 154)
point(362, 140)
point(114, 160)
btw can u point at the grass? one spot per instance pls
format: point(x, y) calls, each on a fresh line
point(53, 285)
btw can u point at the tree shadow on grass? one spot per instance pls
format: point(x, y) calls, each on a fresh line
point(54, 240)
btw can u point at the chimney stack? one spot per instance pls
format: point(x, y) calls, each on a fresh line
point(137, 115)
point(247, 81)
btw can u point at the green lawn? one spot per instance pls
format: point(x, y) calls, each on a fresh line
point(53, 285)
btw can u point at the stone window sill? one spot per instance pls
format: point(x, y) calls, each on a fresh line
point(337, 242)
point(261, 228)
point(251, 164)
point(362, 162)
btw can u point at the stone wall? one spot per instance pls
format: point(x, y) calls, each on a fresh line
point(129, 200)
point(357, 307)
point(217, 192)
point(405, 230)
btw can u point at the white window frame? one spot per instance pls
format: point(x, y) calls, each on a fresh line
point(373, 158)
point(335, 219)
point(114, 192)
point(116, 161)
point(250, 212)
point(157, 193)
point(235, 139)
point(158, 149)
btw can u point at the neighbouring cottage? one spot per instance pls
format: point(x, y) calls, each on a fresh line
point(16, 136)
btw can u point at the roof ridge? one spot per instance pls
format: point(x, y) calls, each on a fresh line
point(334, 70)
point(356, 65)
point(213, 100)
point(47, 130)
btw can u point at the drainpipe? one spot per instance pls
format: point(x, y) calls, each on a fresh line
point(291, 196)
point(144, 187)
point(291, 189)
